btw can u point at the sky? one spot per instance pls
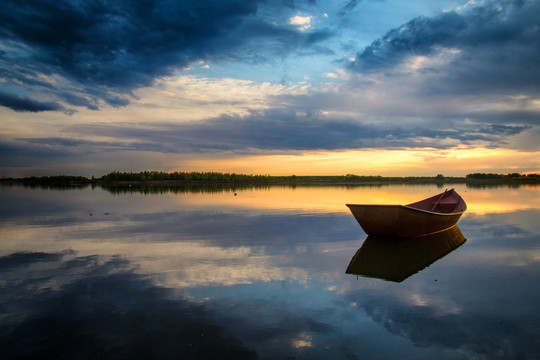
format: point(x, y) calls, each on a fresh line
point(281, 87)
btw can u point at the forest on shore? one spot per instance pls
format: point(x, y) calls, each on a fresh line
point(200, 178)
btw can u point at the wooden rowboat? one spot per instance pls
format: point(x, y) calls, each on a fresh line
point(427, 216)
point(396, 259)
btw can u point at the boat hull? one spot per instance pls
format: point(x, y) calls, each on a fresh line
point(401, 220)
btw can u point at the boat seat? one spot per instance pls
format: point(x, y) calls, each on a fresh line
point(445, 207)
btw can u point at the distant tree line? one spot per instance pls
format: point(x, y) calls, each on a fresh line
point(352, 178)
point(56, 179)
point(233, 178)
point(184, 176)
point(491, 176)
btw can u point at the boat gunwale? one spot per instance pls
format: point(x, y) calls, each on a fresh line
point(408, 207)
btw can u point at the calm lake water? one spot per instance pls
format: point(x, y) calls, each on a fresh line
point(259, 273)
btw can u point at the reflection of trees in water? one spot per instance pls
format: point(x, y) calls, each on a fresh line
point(180, 189)
point(141, 187)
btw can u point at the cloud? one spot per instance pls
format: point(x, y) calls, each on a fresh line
point(437, 81)
point(24, 258)
point(350, 6)
point(290, 130)
point(257, 132)
point(495, 47)
point(303, 22)
point(25, 104)
point(148, 37)
point(100, 48)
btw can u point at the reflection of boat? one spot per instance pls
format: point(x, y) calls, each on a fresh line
point(396, 259)
point(427, 216)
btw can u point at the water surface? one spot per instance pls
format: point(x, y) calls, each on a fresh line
point(258, 273)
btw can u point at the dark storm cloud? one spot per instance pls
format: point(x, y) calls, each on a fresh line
point(26, 151)
point(287, 130)
point(266, 130)
point(530, 117)
point(417, 37)
point(66, 142)
point(122, 45)
point(21, 153)
point(24, 258)
point(498, 44)
point(350, 6)
point(24, 104)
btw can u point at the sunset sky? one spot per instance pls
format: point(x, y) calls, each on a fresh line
point(279, 87)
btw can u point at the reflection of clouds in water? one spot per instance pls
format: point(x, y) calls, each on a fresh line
point(500, 199)
point(210, 275)
point(508, 239)
point(224, 229)
point(102, 308)
point(480, 300)
point(500, 225)
point(440, 306)
point(195, 248)
point(105, 311)
point(473, 333)
point(273, 283)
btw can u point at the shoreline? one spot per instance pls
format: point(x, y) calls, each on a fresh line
point(271, 181)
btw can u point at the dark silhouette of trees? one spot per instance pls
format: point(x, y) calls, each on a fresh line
point(182, 176)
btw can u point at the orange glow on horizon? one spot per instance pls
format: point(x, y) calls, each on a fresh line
point(402, 162)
